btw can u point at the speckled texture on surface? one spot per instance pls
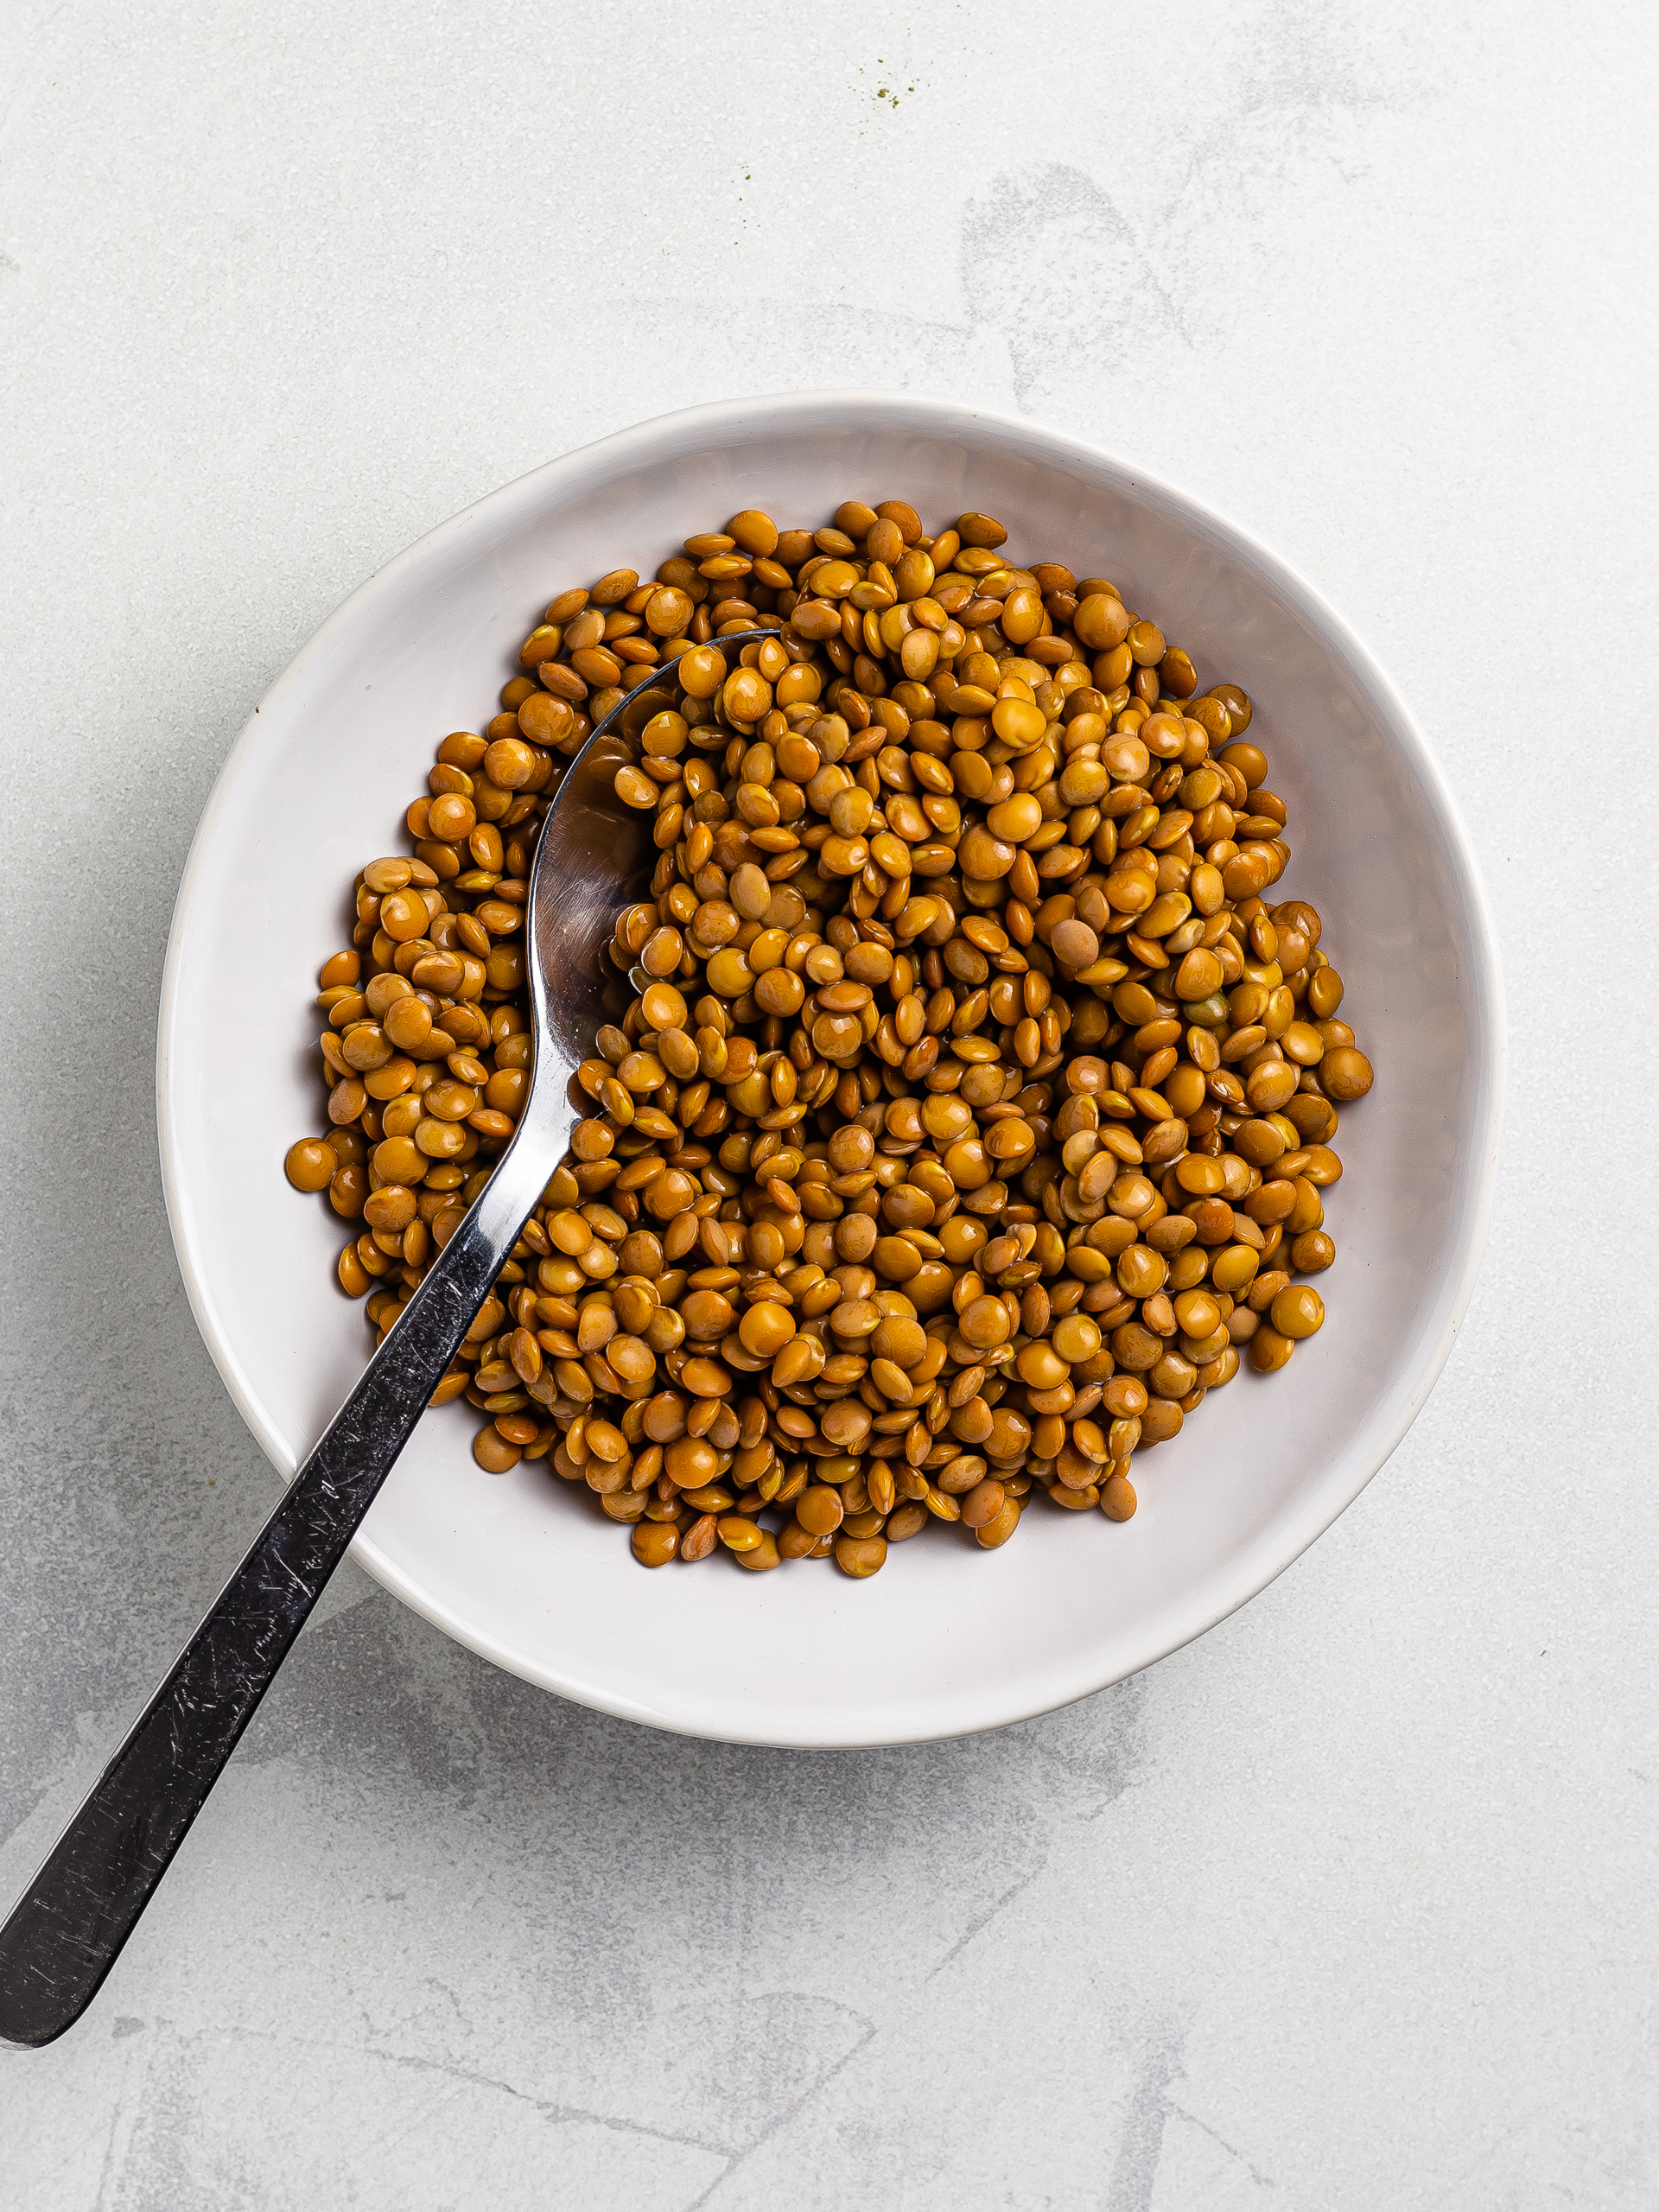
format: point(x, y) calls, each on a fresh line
point(1352, 1903)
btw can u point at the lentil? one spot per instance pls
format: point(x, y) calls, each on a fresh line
point(974, 1099)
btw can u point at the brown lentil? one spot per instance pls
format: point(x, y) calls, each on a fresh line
point(974, 1098)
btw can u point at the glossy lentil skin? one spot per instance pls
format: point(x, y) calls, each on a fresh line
point(974, 1111)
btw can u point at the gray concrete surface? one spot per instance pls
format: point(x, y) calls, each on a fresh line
point(1351, 1904)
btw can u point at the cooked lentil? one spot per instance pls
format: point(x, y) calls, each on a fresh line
point(972, 1100)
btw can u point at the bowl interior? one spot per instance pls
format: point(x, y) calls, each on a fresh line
point(947, 1639)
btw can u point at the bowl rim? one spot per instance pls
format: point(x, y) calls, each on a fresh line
point(1254, 1566)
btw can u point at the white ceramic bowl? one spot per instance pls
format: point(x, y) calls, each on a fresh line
point(947, 1639)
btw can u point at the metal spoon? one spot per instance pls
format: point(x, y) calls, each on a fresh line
point(66, 1930)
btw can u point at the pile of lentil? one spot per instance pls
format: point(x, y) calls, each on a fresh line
point(973, 1106)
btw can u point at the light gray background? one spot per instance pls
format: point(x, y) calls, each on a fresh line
point(1351, 1904)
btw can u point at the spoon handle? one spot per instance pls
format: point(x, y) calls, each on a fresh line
point(67, 1929)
